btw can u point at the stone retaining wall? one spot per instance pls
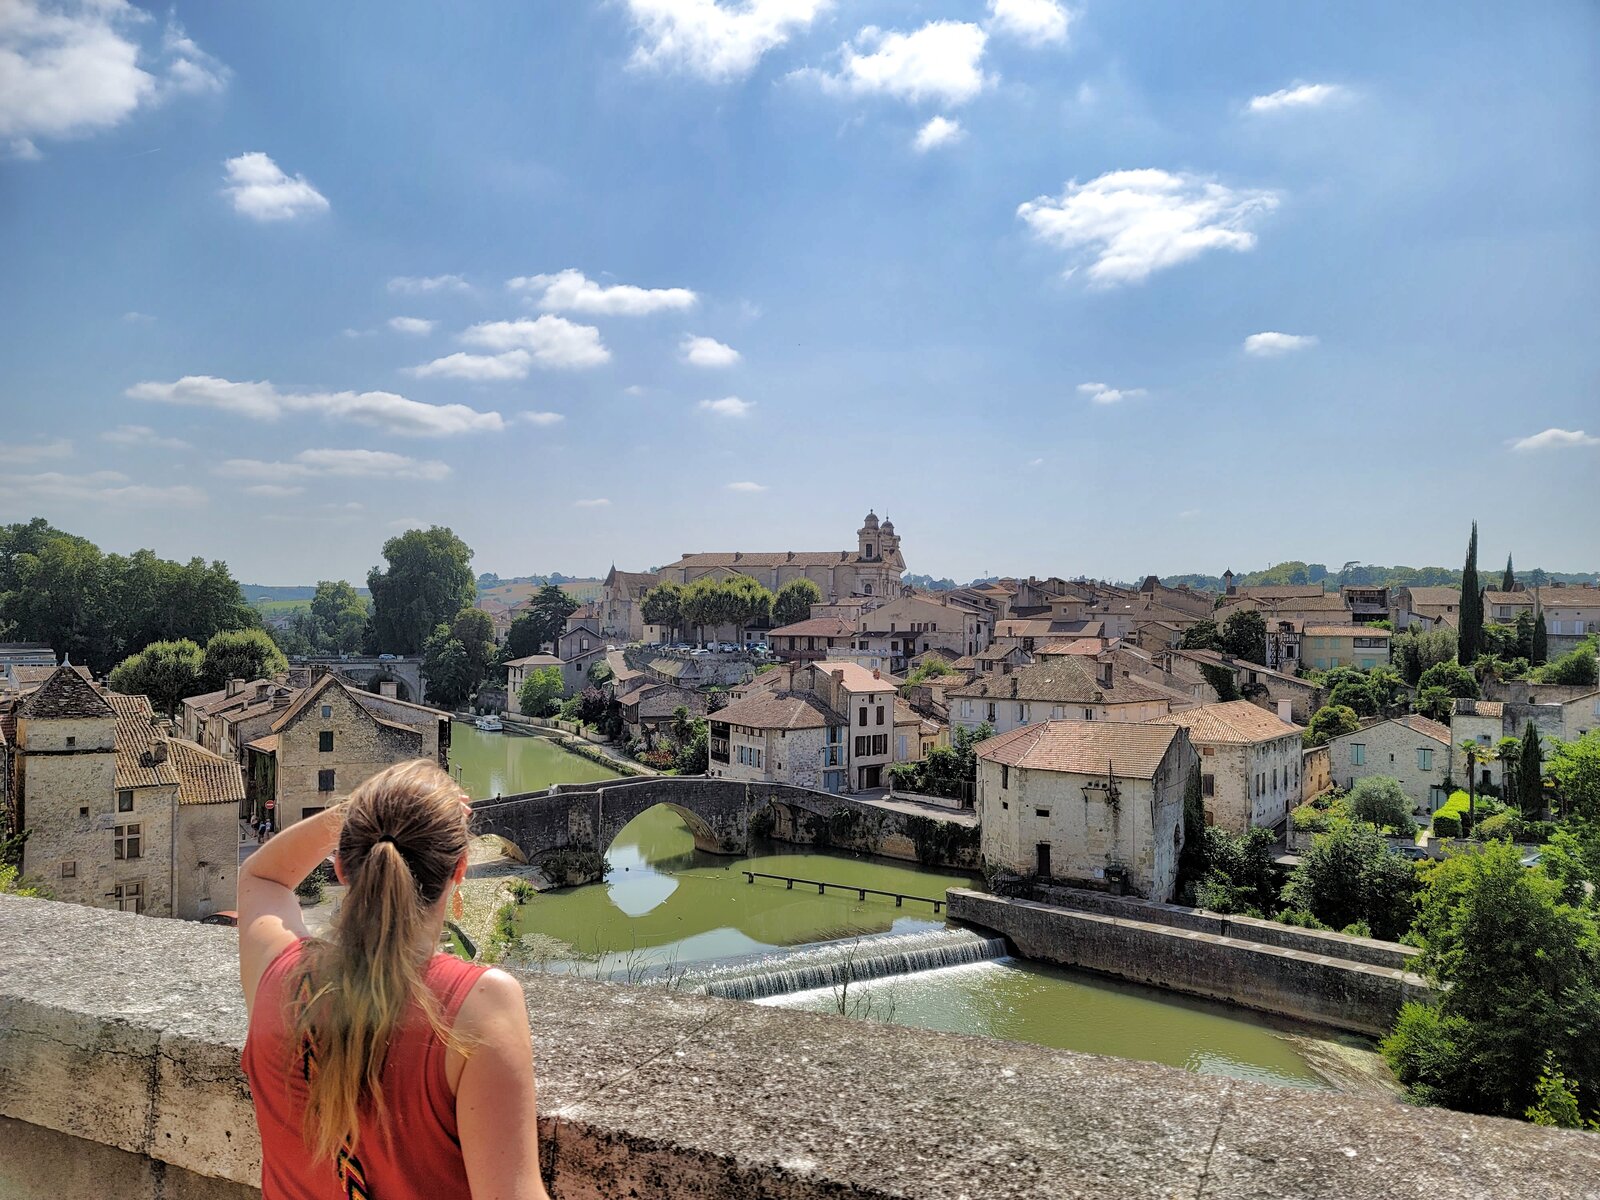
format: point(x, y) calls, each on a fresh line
point(1337, 993)
point(119, 1080)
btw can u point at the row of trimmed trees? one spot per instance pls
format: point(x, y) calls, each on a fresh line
point(737, 600)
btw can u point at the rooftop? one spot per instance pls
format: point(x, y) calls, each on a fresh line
point(1233, 722)
point(1083, 748)
point(779, 710)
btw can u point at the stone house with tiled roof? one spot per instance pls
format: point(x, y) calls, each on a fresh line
point(1095, 804)
point(1412, 749)
point(1250, 763)
point(873, 568)
point(621, 595)
point(120, 813)
point(1071, 688)
point(1425, 607)
point(812, 638)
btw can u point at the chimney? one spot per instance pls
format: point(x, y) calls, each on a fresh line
point(280, 698)
point(234, 687)
point(838, 674)
point(261, 690)
point(877, 674)
point(1286, 711)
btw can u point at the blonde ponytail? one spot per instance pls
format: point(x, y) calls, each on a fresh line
point(404, 834)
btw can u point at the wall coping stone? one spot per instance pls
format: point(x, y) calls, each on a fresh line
point(126, 1031)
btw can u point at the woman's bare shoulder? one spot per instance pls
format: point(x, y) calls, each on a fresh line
point(496, 998)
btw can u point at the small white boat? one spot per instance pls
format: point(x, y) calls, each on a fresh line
point(489, 724)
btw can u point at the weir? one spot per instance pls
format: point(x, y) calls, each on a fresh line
point(834, 964)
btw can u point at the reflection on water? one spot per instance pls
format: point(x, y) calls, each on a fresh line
point(667, 907)
point(503, 764)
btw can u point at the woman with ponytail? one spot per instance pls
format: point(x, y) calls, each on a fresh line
point(380, 1068)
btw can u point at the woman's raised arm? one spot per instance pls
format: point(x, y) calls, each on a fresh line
point(269, 911)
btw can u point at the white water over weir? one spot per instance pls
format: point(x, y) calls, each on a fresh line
point(842, 962)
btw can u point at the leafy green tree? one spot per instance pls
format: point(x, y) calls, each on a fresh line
point(931, 668)
point(1575, 768)
point(165, 671)
point(749, 604)
point(547, 611)
point(1541, 640)
point(1524, 628)
point(1356, 695)
point(1576, 667)
point(1239, 877)
point(600, 672)
point(427, 582)
point(1382, 803)
point(1508, 581)
point(1469, 628)
point(340, 615)
point(540, 693)
point(448, 668)
point(240, 654)
point(663, 605)
point(793, 602)
point(1328, 722)
point(474, 629)
point(1453, 678)
point(1530, 773)
point(522, 637)
point(1519, 979)
point(1350, 876)
point(1244, 635)
point(1202, 635)
point(1556, 1099)
point(1572, 859)
point(1436, 704)
point(1413, 651)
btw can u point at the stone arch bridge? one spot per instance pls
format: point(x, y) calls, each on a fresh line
point(723, 815)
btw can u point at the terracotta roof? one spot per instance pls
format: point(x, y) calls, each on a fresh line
point(1488, 708)
point(267, 745)
point(1326, 602)
point(739, 560)
point(1434, 595)
point(136, 739)
point(204, 777)
point(782, 710)
point(1345, 631)
point(64, 695)
point(534, 660)
point(1420, 724)
point(1065, 679)
point(633, 583)
point(1232, 722)
point(816, 627)
point(1496, 596)
point(1032, 627)
point(857, 678)
point(1284, 591)
point(1086, 645)
point(1083, 748)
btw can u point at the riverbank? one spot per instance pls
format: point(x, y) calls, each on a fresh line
point(597, 752)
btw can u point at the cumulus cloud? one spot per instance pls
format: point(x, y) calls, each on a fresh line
point(142, 435)
point(942, 61)
point(273, 490)
point(77, 67)
point(1103, 394)
point(715, 41)
point(1033, 21)
point(423, 285)
point(940, 131)
point(344, 464)
point(745, 485)
point(478, 368)
point(261, 191)
point(541, 418)
point(598, 502)
point(1128, 224)
point(419, 326)
point(1271, 345)
point(98, 487)
point(31, 452)
point(552, 341)
point(707, 352)
point(728, 406)
point(1301, 95)
point(572, 291)
point(1555, 439)
point(263, 401)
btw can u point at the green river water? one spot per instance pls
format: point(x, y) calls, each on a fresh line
point(667, 908)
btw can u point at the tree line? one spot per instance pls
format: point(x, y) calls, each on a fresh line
point(738, 600)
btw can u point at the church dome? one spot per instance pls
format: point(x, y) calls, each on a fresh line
point(888, 527)
point(871, 522)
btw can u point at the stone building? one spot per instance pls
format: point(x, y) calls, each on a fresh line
point(1324, 647)
point(873, 568)
point(518, 670)
point(225, 721)
point(579, 647)
point(621, 617)
point(120, 813)
point(329, 740)
point(1068, 688)
point(1250, 763)
point(1092, 803)
point(1411, 749)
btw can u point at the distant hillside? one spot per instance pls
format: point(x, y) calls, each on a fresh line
point(1363, 575)
point(254, 593)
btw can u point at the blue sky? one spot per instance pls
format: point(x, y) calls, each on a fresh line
point(1094, 287)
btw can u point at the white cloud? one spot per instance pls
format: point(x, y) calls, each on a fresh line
point(942, 61)
point(30, 452)
point(1036, 462)
point(1271, 345)
point(479, 368)
point(261, 191)
point(633, 389)
point(1102, 394)
point(716, 41)
point(422, 285)
point(1555, 439)
point(541, 418)
point(1033, 21)
point(707, 352)
point(599, 502)
point(262, 401)
point(572, 291)
point(1128, 224)
point(420, 326)
point(142, 435)
point(272, 490)
point(74, 68)
point(99, 487)
point(552, 341)
point(345, 464)
point(746, 485)
point(728, 406)
point(134, 317)
point(1301, 95)
point(939, 131)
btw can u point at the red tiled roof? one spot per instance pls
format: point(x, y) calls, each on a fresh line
point(1083, 748)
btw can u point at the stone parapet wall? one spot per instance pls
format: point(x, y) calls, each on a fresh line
point(119, 1079)
point(1337, 993)
point(1371, 951)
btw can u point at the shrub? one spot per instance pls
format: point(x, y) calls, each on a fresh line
point(1315, 818)
point(1381, 801)
point(1455, 815)
point(1446, 825)
point(521, 890)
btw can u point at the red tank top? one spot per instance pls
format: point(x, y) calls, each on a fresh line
point(421, 1161)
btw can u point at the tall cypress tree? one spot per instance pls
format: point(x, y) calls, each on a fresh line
point(1471, 623)
point(1530, 771)
point(1541, 640)
point(1508, 581)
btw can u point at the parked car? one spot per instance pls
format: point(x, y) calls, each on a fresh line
point(699, 650)
point(727, 648)
point(388, 658)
